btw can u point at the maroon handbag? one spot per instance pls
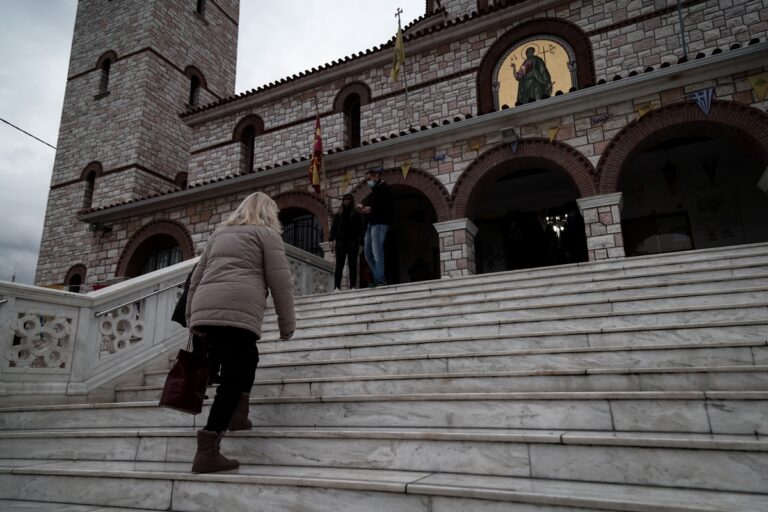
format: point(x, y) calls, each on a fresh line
point(185, 385)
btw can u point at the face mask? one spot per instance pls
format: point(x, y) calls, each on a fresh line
point(371, 183)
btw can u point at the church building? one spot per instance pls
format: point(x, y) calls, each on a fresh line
point(518, 134)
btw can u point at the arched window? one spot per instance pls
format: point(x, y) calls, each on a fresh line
point(349, 102)
point(89, 175)
point(352, 120)
point(245, 133)
point(155, 246)
point(74, 281)
point(196, 84)
point(201, 4)
point(104, 65)
point(181, 180)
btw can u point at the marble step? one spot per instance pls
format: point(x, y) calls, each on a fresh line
point(727, 463)
point(584, 292)
point(734, 354)
point(43, 506)
point(341, 348)
point(556, 304)
point(498, 282)
point(622, 267)
point(514, 322)
point(169, 486)
point(717, 412)
point(714, 378)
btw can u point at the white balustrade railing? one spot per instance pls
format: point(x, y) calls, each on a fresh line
point(64, 345)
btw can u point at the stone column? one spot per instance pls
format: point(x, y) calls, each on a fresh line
point(457, 247)
point(328, 253)
point(762, 183)
point(602, 223)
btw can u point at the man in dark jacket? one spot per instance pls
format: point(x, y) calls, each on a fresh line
point(345, 236)
point(378, 207)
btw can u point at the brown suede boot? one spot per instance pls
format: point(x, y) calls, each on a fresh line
point(239, 420)
point(208, 459)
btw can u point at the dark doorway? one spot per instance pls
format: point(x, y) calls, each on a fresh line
point(693, 192)
point(519, 207)
point(156, 252)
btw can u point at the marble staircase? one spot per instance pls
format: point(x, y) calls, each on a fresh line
point(635, 385)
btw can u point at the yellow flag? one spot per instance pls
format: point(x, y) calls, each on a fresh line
point(553, 133)
point(759, 84)
point(345, 181)
point(398, 59)
point(641, 110)
point(405, 168)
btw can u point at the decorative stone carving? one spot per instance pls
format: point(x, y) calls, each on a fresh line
point(121, 328)
point(42, 341)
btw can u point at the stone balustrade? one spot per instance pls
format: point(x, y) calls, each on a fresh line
point(61, 346)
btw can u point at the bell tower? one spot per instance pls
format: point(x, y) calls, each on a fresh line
point(135, 65)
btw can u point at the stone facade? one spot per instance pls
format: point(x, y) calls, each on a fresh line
point(636, 41)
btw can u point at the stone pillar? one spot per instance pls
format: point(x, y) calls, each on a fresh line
point(457, 247)
point(602, 223)
point(762, 183)
point(328, 253)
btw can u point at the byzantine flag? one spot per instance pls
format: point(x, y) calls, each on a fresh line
point(316, 162)
point(398, 59)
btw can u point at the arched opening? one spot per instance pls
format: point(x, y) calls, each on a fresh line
point(89, 175)
point(352, 120)
point(201, 5)
point(693, 191)
point(181, 180)
point(196, 84)
point(104, 65)
point(246, 131)
point(156, 252)
point(412, 249)
point(526, 214)
point(157, 245)
point(75, 279)
point(302, 229)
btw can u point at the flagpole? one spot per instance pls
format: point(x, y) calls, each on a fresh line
point(324, 196)
point(408, 111)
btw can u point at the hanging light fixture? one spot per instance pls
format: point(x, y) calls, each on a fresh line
point(558, 224)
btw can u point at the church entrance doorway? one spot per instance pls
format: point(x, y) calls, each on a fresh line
point(693, 192)
point(302, 229)
point(526, 214)
point(156, 252)
point(412, 249)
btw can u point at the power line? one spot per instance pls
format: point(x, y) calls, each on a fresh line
point(26, 132)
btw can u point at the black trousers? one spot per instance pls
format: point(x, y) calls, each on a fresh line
point(236, 349)
point(346, 250)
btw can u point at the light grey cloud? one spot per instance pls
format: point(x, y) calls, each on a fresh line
point(278, 38)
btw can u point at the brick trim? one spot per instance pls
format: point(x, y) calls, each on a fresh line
point(568, 32)
point(566, 158)
point(359, 88)
point(225, 13)
point(417, 179)
point(237, 134)
point(159, 227)
point(73, 270)
point(91, 167)
point(681, 117)
point(306, 201)
point(139, 52)
point(113, 171)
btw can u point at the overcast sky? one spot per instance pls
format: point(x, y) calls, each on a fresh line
point(277, 38)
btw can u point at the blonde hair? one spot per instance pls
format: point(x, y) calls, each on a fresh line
point(258, 209)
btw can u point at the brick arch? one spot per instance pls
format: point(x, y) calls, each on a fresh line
point(191, 71)
point(110, 56)
point(76, 270)
point(358, 88)
point(160, 227)
point(422, 181)
point(93, 167)
point(576, 38)
point(563, 156)
point(654, 127)
point(309, 202)
point(250, 120)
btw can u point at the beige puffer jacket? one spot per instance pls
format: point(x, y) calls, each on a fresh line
point(229, 284)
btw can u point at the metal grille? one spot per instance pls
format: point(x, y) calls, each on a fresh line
point(304, 232)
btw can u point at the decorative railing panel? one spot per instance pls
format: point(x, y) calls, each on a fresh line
point(65, 344)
